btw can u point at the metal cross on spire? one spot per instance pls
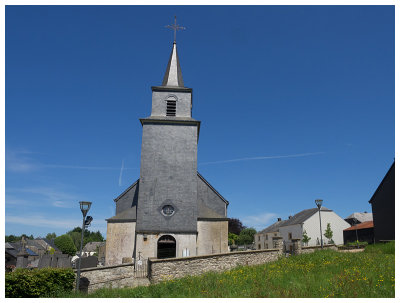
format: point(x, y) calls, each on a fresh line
point(175, 27)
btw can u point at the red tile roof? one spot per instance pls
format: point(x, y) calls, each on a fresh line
point(363, 225)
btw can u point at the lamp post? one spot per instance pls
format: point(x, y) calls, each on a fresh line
point(355, 224)
point(318, 202)
point(85, 206)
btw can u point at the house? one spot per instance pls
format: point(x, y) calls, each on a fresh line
point(263, 239)
point(12, 250)
point(363, 232)
point(357, 218)
point(35, 248)
point(383, 209)
point(91, 248)
point(308, 221)
point(47, 245)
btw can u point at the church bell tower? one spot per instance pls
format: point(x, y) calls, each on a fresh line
point(170, 210)
point(167, 201)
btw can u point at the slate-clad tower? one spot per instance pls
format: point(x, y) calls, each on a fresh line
point(168, 168)
point(171, 210)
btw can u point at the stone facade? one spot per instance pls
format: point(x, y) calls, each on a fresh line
point(212, 237)
point(120, 242)
point(148, 248)
point(167, 269)
point(117, 276)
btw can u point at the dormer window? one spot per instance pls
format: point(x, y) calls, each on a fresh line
point(171, 106)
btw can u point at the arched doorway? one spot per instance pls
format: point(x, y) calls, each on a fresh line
point(166, 247)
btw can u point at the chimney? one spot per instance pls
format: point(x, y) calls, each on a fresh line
point(279, 219)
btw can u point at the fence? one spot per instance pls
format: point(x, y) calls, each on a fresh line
point(141, 268)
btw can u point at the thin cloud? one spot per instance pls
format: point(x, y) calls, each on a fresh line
point(17, 161)
point(263, 158)
point(55, 197)
point(120, 174)
point(259, 221)
point(40, 221)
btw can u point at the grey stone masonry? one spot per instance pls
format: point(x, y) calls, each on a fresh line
point(167, 269)
point(117, 276)
point(278, 244)
point(311, 249)
point(296, 246)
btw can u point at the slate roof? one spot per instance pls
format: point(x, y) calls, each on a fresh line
point(296, 219)
point(361, 217)
point(128, 215)
point(173, 74)
point(14, 248)
point(212, 188)
point(92, 246)
point(9, 246)
point(303, 216)
point(272, 228)
point(363, 225)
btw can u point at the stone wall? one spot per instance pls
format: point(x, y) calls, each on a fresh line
point(117, 276)
point(311, 249)
point(166, 269)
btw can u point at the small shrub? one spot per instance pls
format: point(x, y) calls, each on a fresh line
point(25, 283)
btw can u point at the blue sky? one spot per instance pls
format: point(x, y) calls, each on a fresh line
point(296, 103)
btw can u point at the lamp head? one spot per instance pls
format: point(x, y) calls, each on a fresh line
point(88, 220)
point(85, 206)
point(318, 202)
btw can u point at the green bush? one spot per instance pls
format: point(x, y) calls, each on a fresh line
point(35, 283)
point(65, 244)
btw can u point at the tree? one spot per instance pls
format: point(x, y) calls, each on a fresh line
point(246, 236)
point(51, 236)
point(88, 236)
point(232, 238)
point(235, 226)
point(12, 238)
point(65, 244)
point(306, 238)
point(329, 233)
point(76, 238)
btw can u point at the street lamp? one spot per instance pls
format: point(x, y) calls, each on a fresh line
point(318, 202)
point(355, 224)
point(85, 206)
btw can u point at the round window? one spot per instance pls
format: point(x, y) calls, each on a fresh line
point(168, 210)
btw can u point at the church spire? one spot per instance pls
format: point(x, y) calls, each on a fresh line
point(173, 74)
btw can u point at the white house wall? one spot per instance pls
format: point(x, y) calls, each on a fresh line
point(311, 225)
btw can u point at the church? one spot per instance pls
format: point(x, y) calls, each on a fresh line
point(171, 210)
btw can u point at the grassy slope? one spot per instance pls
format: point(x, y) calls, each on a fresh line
point(321, 274)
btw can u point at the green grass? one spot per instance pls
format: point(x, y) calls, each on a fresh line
point(321, 274)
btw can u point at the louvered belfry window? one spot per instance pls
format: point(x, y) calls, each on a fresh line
point(171, 108)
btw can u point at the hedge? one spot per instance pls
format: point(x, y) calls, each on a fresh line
point(35, 283)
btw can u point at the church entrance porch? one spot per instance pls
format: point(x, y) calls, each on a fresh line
point(166, 247)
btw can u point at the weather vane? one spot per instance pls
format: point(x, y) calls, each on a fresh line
point(175, 27)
